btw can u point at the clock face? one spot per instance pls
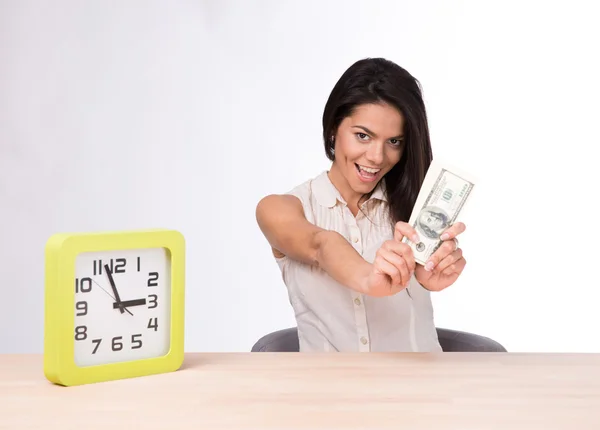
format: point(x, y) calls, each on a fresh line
point(122, 305)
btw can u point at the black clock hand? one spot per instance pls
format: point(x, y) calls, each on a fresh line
point(114, 288)
point(127, 303)
point(109, 295)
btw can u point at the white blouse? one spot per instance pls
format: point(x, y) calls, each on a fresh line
point(332, 317)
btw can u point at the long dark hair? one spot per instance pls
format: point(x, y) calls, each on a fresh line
point(377, 80)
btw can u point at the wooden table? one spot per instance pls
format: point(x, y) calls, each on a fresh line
point(456, 391)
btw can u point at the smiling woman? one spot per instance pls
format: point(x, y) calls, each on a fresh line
point(364, 155)
point(352, 282)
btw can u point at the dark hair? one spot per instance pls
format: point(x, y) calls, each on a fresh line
point(377, 80)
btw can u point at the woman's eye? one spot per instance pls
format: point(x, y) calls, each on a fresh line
point(396, 142)
point(362, 136)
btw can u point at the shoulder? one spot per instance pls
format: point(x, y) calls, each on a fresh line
point(298, 199)
point(311, 191)
point(303, 190)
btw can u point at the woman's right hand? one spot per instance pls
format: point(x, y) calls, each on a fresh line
point(393, 266)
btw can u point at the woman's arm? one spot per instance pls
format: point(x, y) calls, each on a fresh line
point(282, 221)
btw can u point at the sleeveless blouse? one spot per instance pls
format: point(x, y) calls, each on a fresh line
point(333, 317)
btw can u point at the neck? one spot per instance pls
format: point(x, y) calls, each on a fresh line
point(341, 184)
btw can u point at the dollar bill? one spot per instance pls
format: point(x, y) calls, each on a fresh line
point(441, 199)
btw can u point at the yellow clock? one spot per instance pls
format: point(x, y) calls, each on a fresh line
point(114, 305)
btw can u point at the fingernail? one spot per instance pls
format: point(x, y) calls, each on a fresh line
point(415, 238)
point(429, 266)
point(445, 236)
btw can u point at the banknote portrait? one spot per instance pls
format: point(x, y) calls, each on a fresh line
point(432, 221)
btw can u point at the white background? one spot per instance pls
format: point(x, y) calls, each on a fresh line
point(183, 114)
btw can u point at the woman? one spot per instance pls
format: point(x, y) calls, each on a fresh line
point(352, 282)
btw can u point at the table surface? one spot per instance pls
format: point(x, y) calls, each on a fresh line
point(482, 391)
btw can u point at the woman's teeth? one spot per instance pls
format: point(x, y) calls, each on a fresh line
point(367, 169)
point(367, 174)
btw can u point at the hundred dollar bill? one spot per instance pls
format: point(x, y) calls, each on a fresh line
point(441, 199)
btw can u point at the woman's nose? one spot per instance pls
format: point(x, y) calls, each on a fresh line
point(375, 153)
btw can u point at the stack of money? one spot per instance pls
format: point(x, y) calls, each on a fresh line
point(441, 199)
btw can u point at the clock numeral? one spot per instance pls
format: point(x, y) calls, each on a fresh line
point(138, 264)
point(83, 307)
point(97, 342)
point(153, 301)
point(81, 332)
point(117, 345)
point(116, 266)
point(153, 279)
point(120, 265)
point(98, 266)
point(84, 285)
point(137, 343)
point(153, 325)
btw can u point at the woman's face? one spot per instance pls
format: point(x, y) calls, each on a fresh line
point(367, 145)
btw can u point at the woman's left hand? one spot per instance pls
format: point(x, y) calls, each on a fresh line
point(446, 264)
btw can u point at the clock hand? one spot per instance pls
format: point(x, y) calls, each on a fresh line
point(114, 288)
point(109, 295)
point(127, 303)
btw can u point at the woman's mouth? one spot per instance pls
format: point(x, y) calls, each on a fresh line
point(366, 173)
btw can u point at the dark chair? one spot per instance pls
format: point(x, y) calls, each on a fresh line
point(286, 340)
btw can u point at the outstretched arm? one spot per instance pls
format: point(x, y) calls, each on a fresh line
point(282, 221)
